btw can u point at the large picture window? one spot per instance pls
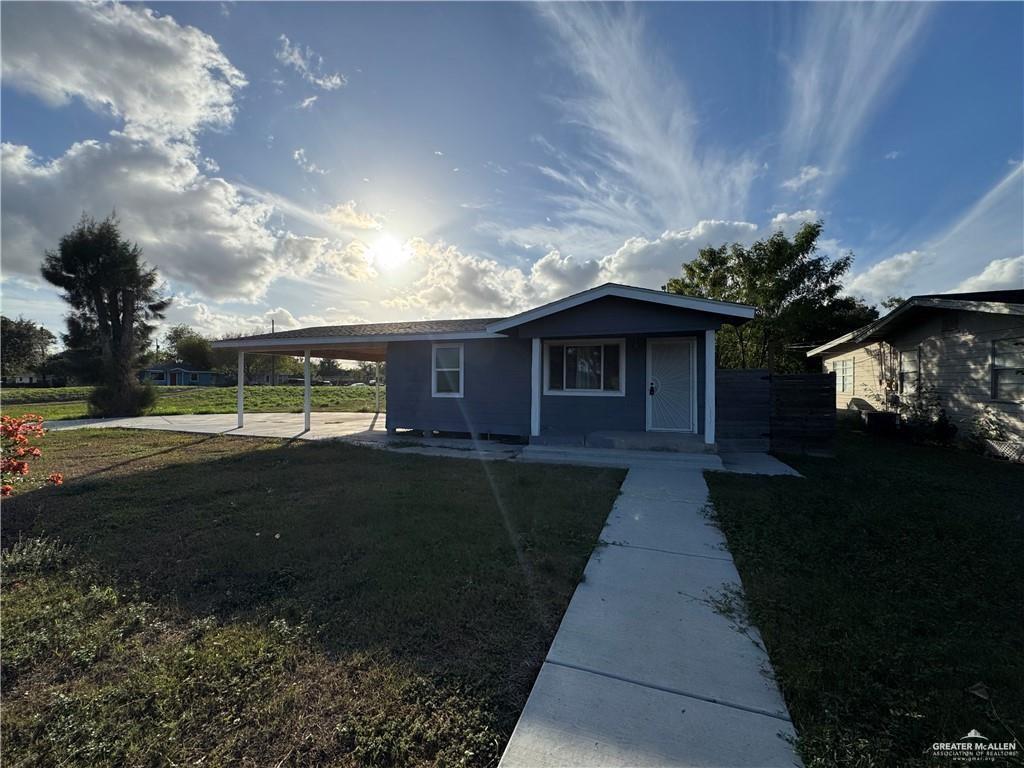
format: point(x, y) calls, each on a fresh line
point(1008, 370)
point(585, 367)
point(446, 375)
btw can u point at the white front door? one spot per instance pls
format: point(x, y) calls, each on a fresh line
point(671, 385)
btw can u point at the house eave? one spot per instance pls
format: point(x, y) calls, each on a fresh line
point(725, 308)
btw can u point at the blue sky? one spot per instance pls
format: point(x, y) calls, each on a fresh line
point(330, 163)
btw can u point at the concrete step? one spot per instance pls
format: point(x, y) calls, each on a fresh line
point(609, 457)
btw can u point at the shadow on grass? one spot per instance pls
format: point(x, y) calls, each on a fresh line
point(460, 567)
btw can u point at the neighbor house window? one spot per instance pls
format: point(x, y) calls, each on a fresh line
point(585, 367)
point(157, 375)
point(193, 378)
point(843, 369)
point(910, 372)
point(447, 370)
point(1008, 370)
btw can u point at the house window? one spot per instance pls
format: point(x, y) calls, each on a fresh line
point(910, 372)
point(193, 378)
point(447, 374)
point(1008, 370)
point(843, 369)
point(585, 367)
point(157, 375)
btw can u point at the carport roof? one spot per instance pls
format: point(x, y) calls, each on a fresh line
point(407, 328)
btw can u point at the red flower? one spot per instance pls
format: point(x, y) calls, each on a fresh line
point(6, 490)
point(56, 478)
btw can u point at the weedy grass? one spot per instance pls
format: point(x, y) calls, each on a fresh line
point(256, 602)
point(885, 584)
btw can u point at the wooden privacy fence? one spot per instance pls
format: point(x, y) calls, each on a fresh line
point(790, 413)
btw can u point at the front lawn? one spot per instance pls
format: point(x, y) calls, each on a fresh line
point(70, 402)
point(231, 601)
point(886, 584)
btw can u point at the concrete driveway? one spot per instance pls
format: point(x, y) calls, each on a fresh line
point(287, 425)
point(653, 663)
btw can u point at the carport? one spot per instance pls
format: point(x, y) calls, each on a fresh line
point(298, 343)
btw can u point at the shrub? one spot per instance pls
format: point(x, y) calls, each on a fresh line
point(17, 450)
point(134, 401)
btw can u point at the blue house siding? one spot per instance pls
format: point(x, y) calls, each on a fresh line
point(580, 414)
point(496, 388)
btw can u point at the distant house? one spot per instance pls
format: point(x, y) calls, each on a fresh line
point(964, 349)
point(173, 374)
point(276, 379)
point(27, 378)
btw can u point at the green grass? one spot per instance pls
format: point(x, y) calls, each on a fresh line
point(53, 404)
point(255, 602)
point(885, 584)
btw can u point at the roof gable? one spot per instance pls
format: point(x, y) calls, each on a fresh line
point(722, 308)
point(991, 302)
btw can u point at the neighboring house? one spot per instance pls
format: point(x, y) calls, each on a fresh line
point(964, 349)
point(172, 374)
point(275, 379)
point(27, 378)
point(614, 358)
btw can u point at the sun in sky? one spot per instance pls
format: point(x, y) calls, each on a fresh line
point(387, 253)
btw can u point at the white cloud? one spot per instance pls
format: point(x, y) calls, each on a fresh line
point(455, 283)
point(790, 223)
point(164, 80)
point(308, 103)
point(554, 275)
point(644, 165)
point(650, 263)
point(997, 274)
point(893, 276)
point(345, 216)
point(439, 153)
point(197, 230)
point(807, 174)
point(305, 163)
point(848, 58)
point(309, 64)
point(895, 154)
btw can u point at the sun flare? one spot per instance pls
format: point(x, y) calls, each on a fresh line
point(387, 252)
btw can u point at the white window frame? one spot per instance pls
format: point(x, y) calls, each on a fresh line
point(844, 369)
point(915, 353)
point(434, 369)
point(996, 370)
point(620, 392)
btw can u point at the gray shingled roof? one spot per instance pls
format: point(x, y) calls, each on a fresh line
point(379, 329)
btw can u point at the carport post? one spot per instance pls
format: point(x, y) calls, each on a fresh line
point(241, 389)
point(376, 380)
point(535, 387)
point(307, 400)
point(709, 387)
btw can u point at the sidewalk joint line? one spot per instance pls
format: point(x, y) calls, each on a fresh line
point(666, 551)
point(665, 689)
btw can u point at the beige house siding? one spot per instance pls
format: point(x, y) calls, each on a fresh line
point(955, 352)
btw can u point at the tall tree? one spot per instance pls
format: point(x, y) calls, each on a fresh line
point(25, 345)
point(185, 345)
point(111, 290)
point(795, 288)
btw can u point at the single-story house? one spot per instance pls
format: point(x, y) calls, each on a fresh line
point(610, 359)
point(965, 350)
point(28, 378)
point(173, 374)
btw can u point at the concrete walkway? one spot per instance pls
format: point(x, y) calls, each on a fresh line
point(653, 663)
